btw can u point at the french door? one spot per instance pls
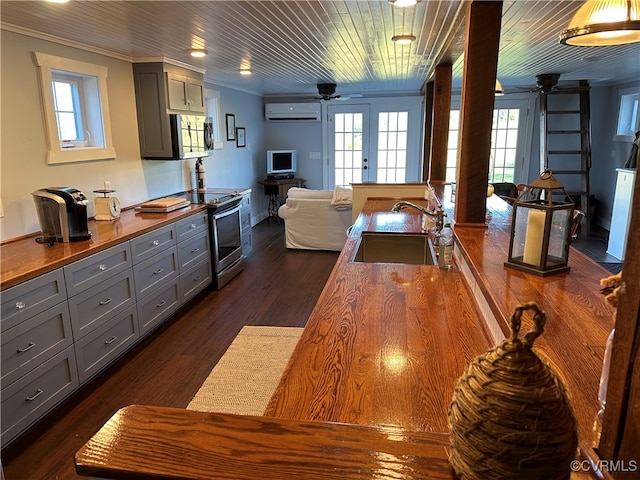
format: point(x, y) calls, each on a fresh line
point(377, 141)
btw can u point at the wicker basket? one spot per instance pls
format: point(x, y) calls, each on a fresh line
point(510, 416)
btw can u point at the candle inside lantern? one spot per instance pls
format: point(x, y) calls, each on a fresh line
point(533, 238)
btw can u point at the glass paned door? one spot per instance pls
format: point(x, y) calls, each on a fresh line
point(374, 142)
point(349, 142)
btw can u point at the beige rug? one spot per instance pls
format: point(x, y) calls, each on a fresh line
point(246, 376)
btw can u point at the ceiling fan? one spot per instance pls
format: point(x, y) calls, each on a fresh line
point(545, 83)
point(327, 91)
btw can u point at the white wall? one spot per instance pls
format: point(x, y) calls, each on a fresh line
point(24, 168)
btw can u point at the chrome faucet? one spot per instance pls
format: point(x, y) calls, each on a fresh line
point(437, 212)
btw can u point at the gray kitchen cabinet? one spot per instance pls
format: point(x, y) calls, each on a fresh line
point(103, 345)
point(95, 269)
point(149, 244)
point(195, 280)
point(27, 299)
point(36, 393)
point(156, 271)
point(158, 305)
point(60, 329)
point(245, 224)
point(34, 341)
point(186, 93)
point(162, 89)
point(94, 306)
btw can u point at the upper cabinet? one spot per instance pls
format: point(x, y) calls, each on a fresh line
point(186, 93)
point(163, 89)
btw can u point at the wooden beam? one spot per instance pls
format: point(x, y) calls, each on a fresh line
point(620, 438)
point(440, 133)
point(428, 125)
point(480, 67)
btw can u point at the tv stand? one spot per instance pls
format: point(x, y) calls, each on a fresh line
point(280, 176)
point(277, 190)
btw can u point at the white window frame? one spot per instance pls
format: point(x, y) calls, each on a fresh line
point(96, 107)
point(214, 111)
point(628, 108)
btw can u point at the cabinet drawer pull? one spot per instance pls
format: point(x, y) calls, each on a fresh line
point(161, 304)
point(160, 270)
point(156, 243)
point(34, 396)
point(192, 226)
point(104, 302)
point(195, 250)
point(110, 341)
point(195, 279)
point(20, 305)
point(102, 267)
point(27, 348)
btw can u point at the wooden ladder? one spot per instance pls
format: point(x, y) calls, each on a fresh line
point(565, 142)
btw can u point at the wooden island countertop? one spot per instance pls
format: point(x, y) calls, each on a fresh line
point(381, 350)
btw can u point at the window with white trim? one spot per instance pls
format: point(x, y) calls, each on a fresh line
point(75, 109)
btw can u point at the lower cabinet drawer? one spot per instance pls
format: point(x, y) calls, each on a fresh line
point(155, 271)
point(158, 306)
point(30, 397)
point(35, 341)
point(102, 346)
point(195, 280)
point(194, 250)
point(92, 307)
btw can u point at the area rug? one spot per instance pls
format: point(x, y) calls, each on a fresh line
point(246, 376)
point(612, 267)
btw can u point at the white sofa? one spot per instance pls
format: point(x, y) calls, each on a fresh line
point(312, 222)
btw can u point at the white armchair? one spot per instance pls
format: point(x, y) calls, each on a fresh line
point(312, 222)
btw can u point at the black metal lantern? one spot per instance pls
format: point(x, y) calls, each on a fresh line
point(541, 228)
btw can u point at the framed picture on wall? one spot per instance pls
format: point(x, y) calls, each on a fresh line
point(240, 137)
point(231, 126)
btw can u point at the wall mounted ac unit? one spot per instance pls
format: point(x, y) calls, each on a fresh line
point(276, 112)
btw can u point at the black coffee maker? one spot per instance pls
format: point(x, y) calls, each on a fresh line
point(62, 212)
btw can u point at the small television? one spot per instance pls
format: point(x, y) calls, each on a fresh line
point(281, 163)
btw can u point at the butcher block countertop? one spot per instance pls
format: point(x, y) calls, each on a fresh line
point(376, 365)
point(23, 259)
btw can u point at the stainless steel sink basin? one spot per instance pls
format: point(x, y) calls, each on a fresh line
point(389, 247)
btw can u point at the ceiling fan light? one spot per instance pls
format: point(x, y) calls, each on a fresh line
point(403, 39)
point(198, 52)
point(604, 22)
point(499, 91)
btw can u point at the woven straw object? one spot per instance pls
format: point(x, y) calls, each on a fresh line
point(510, 416)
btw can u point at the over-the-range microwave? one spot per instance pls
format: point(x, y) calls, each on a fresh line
point(191, 137)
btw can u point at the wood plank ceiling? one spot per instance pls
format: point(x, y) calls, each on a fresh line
point(292, 45)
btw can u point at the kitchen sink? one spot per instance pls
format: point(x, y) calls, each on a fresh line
point(391, 247)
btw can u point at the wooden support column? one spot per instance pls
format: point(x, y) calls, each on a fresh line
point(482, 41)
point(428, 125)
point(440, 132)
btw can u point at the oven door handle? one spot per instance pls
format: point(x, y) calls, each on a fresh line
point(226, 213)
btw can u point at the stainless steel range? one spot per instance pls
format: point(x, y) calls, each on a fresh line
point(224, 229)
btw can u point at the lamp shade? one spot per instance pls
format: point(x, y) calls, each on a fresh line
point(604, 22)
point(541, 228)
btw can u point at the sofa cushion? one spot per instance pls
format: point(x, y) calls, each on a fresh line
point(295, 192)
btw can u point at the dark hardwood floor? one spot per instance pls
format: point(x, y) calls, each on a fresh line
point(278, 287)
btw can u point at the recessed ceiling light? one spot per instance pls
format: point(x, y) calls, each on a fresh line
point(403, 3)
point(198, 52)
point(403, 39)
point(245, 71)
point(57, 1)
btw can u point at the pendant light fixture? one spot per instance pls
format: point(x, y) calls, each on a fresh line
point(604, 22)
point(499, 91)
